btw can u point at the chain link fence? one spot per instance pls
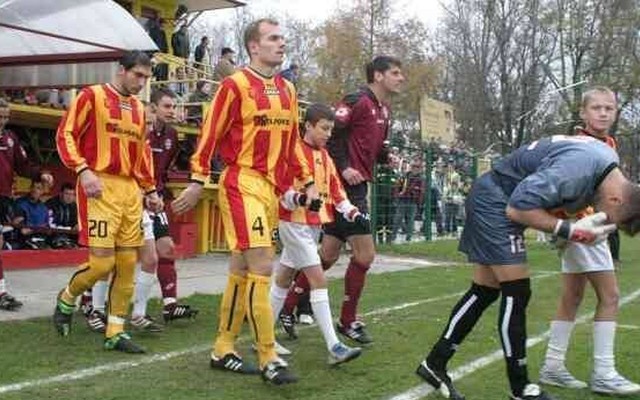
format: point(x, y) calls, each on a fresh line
point(420, 195)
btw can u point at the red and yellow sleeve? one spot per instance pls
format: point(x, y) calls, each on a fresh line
point(143, 168)
point(225, 108)
point(297, 161)
point(71, 129)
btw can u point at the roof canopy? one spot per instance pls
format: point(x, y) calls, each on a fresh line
point(204, 5)
point(64, 42)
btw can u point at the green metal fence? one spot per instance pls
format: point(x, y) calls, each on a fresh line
point(420, 194)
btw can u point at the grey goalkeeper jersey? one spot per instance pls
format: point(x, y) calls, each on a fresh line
point(557, 171)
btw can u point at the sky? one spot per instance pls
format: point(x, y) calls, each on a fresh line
point(428, 11)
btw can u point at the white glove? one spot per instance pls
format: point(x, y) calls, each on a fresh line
point(588, 230)
point(289, 200)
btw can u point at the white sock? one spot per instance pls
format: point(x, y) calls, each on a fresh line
point(319, 299)
point(558, 343)
point(277, 296)
point(99, 295)
point(604, 336)
point(3, 286)
point(144, 283)
point(169, 300)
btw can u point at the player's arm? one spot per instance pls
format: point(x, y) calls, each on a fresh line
point(71, 128)
point(339, 197)
point(552, 187)
point(225, 109)
point(338, 144)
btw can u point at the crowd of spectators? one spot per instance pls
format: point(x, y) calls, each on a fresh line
point(28, 222)
point(401, 193)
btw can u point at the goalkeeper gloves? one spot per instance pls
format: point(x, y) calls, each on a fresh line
point(588, 230)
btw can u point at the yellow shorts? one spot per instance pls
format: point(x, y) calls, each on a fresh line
point(114, 219)
point(249, 208)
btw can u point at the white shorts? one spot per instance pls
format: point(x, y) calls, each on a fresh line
point(147, 226)
point(300, 244)
point(578, 258)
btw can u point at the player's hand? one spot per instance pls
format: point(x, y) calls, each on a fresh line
point(292, 199)
point(47, 178)
point(588, 230)
point(187, 199)
point(91, 184)
point(153, 202)
point(313, 201)
point(352, 176)
point(355, 216)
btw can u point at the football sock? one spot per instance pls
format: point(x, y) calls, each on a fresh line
point(322, 312)
point(144, 283)
point(231, 315)
point(277, 296)
point(299, 287)
point(260, 316)
point(604, 336)
point(121, 290)
point(512, 325)
point(86, 276)
point(168, 279)
point(354, 280)
point(560, 333)
point(463, 318)
point(99, 294)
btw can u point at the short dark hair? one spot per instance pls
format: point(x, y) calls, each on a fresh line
point(67, 186)
point(204, 38)
point(161, 92)
point(134, 57)
point(226, 50)
point(252, 32)
point(380, 64)
point(317, 111)
point(630, 220)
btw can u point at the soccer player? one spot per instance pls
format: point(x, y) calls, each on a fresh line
point(300, 229)
point(362, 126)
point(253, 122)
point(556, 172)
point(13, 159)
point(103, 138)
point(157, 253)
point(594, 264)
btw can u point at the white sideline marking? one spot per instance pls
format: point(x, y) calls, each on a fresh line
point(119, 366)
point(420, 391)
point(623, 326)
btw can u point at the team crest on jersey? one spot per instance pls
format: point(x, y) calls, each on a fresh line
point(167, 144)
point(342, 113)
point(10, 142)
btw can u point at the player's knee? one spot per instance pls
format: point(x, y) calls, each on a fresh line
point(486, 295)
point(101, 266)
point(610, 299)
point(166, 248)
point(519, 290)
point(357, 263)
point(365, 259)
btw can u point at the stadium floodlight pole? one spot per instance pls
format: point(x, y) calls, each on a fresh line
point(546, 95)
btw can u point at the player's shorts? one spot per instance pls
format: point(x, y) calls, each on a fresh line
point(249, 206)
point(342, 229)
point(489, 237)
point(155, 226)
point(147, 226)
point(300, 244)
point(113, 219)
point(578, 258)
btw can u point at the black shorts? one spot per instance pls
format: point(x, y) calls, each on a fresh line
point(489, 237)
point(341, 229)
point(160, 225)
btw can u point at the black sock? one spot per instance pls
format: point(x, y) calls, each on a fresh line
point(512, 325)
point(463, 318)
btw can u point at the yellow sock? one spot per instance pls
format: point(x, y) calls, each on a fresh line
point(260, 317)
point(232, 312)
point(121, 290)
point(87, 275)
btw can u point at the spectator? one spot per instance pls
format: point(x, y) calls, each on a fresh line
point(157, 34)
point(36, 216)
point(202, 56)
point(291, 74)
point(452, 200)
point(225, 66)
point(201, 95)
point(63, 218)
point(180, 42)
point(10, 222)
point(409, 194)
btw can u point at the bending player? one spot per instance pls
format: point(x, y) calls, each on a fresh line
point(555, 172)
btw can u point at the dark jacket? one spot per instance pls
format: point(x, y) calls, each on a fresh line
point(62, 215)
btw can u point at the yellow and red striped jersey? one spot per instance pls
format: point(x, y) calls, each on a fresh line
point(253, 123)
point(105, 132)
point(327, 182)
